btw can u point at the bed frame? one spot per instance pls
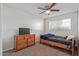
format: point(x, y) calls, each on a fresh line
point(60, 45)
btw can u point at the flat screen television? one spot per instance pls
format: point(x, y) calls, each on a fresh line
point(23, 31)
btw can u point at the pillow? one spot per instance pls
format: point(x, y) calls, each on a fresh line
point(70, 37)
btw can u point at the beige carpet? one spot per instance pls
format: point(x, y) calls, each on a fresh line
point(38, 50)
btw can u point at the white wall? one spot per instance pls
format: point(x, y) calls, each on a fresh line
point(0, 29)
point(14, 18)
point(74, 24)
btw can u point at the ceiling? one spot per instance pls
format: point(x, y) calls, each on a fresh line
point(31, 8)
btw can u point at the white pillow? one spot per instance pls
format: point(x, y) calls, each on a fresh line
point(70, 37)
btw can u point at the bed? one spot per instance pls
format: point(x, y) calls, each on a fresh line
point(58, 41)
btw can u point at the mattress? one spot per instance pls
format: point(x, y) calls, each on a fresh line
point(58, 39)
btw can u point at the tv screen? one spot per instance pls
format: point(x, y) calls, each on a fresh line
point(23, 31)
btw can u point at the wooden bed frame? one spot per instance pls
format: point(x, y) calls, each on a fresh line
point(52, 43)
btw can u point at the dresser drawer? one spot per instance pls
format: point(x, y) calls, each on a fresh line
point(52, 43)
point(31, 43)
point(21, 46)
point(30, 39)
point(22, 41)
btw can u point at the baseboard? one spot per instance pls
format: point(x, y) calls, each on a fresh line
point(7, 49)
point(13, 48)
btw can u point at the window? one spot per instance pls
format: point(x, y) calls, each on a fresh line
point(64, 24)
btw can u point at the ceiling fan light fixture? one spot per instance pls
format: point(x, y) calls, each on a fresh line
point(48, 11)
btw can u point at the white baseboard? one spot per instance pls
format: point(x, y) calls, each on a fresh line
point(8, 49)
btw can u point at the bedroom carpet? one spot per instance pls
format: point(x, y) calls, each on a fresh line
point(38, 50)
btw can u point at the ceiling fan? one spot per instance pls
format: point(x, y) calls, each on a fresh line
point(48, 9)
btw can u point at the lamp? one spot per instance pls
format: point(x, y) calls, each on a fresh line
point(48, 11)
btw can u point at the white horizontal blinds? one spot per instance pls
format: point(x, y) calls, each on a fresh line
point(64, 24)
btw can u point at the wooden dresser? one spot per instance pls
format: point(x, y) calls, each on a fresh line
point(23, 41)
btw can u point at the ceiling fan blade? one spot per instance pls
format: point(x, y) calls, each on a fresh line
point(42, 12)
point(55, 10)
point(53, 4)
point(42, 8)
